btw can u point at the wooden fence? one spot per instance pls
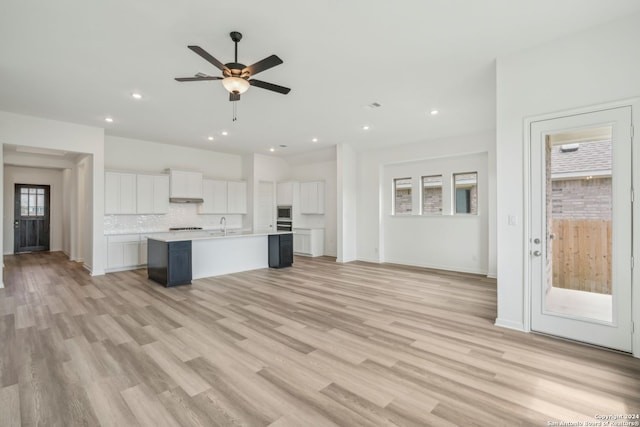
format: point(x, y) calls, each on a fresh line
point(582, 255)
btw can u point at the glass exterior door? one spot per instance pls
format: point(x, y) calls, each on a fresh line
point(580, 247)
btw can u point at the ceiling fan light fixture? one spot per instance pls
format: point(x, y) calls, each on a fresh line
point(235, 85)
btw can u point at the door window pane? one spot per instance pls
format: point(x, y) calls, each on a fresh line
point(32, 201)
point(432, 194)
point(466, 193)
point(579, 212)
point(402, 195)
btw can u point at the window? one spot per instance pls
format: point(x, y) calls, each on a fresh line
point(402, 197)
point(32, 201)
point(466, 193)
point(432, 194)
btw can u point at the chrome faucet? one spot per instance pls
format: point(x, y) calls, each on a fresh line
point(223, 221)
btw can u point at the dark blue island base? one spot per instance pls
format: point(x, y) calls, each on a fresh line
point(169, 263)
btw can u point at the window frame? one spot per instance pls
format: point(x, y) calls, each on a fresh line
point(422, 199)
point(454, 199)
point(394, 211)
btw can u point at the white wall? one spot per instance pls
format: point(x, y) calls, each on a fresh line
point(84, 176)
point(373, 242)
point(23, 175)
point(147, 156)
point(16, 129)
point(589, 68)
point(346, 208)
point(448, 242)
point(68, 201)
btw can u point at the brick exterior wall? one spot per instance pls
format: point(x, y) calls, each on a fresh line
point(581, 199)
point(403, 202)
point(432, 200)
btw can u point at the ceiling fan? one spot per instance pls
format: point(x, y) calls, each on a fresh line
point(236, 77)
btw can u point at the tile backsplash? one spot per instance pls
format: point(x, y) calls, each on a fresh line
point(180, 215)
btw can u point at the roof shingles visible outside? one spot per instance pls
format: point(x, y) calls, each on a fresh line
point(590, 156)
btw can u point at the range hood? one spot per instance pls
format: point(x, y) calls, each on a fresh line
point(186, 200)
point(185, 187)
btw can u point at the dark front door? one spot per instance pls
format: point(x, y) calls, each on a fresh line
point(31, 220)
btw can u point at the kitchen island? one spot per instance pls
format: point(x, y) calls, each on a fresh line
point(178, 258)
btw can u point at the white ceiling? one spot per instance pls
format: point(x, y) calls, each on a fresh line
point(79, 61)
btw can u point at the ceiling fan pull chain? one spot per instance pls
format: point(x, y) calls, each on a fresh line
point(235, 111)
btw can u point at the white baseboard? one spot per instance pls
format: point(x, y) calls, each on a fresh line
point(453, 268)
point(509, 324)
point(372, 260)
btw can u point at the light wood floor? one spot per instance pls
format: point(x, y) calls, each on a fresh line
point(316, 344)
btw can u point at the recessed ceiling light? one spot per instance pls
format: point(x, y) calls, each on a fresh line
point(272, 149)
point(210, 138)
point(136, 95)
point(365, 127)
point(314, 140)
point(433, 112)
point(108, 119)
point(225, 133)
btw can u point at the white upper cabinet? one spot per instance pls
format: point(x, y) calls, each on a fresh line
point(120, 193)
point(130, 194)
point(284, 194)
point(236, 197)
point(161, 194)
point(214, 193)
point(312, 197)
point(186, 184)
point(223, 197)
point(152, 194)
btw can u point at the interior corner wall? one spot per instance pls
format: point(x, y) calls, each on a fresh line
point(371, 188)
point(36, 176)
point(585, 69)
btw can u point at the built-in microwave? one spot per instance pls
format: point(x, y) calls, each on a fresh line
point(284, 213)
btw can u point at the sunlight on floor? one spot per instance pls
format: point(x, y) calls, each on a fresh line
point(588, 305)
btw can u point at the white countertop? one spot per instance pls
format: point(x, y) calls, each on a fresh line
point(208, 235)
point(166, 231)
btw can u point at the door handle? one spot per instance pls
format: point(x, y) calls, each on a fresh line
point(537, 253)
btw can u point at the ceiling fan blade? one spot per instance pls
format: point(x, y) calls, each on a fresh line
point(265, 64)
point(234, 97)
point(195, 79)
point(269, 86)
point(207, 57)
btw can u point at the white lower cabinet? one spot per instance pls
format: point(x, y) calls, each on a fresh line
point(124, 252)
point(143, 251)
point(308, 241)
